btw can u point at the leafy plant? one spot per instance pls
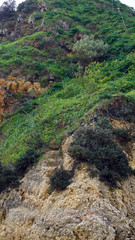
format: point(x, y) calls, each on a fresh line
point(88, 50)
point(8, 177)
point(122, 134)
point(26, 160)
point(97, 147)
point(60, 180)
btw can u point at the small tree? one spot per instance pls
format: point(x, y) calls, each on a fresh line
point(27, 6)
point(7, 10)
point(88, 50)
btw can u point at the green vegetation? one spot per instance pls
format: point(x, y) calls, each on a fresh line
point(11, 173)
point(96, 146)
point(60, 108)
point(89, 50)
point(31, 54)
point(7, 10)
point(60, 180)
point(122, 135)
point(27, 7)
point(26, 160)
point(8, 177)
point(43, 51)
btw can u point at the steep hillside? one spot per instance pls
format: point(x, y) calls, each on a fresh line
point(52, 94)
point(43, 34)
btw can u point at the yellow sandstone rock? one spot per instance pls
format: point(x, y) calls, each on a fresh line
point(15, 85)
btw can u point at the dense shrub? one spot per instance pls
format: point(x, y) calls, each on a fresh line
point(88, 49)
point(8, 178)
point(11, 173)
point(96, 146)
point(28, 6)
point(28, 159)
point(60, 180)
point(122, 134)
point(7, 9)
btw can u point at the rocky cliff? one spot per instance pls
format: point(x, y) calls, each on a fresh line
point(87, 209)
point(36, 52)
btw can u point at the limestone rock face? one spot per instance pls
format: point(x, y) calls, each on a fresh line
point(86, 210)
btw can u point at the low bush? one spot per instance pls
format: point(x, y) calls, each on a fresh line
point(28, 159)
point(10, 174)
point(8, 178)
point(96, 146)
point(60, 180)
point(122, 135)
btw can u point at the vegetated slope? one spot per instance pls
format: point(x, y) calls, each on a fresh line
point(43, 34)
point(42, 51)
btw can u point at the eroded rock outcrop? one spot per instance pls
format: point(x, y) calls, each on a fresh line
point(8, 102)
point(16, 85)
point(86, 210)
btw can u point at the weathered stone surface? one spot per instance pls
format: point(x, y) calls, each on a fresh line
point(14, 84)
point(86, 210)
point(31, 20)
point(64, 24)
